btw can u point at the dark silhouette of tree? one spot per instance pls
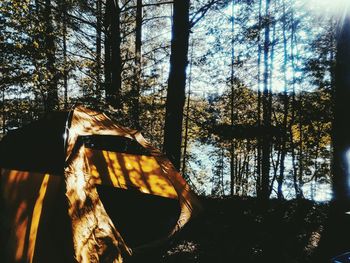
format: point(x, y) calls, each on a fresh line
point(135, 114)
point(112, 62)
point(177, 82)
point(265, 175)
point(341, 127)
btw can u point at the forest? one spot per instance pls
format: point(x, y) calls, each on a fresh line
point(240, 99)
point(239, 94)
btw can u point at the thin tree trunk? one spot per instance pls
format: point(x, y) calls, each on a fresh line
point(258, 177)
point(298, 192)
point(184, 159)
point(266, 112)
point(177, 82)
point(65, 71)
point(301, 138)
point(232, 143)
point(3, 112)
point(107, 55)
point(50, 51)
point(98, 48)
point(137, 73)
point(285, 109)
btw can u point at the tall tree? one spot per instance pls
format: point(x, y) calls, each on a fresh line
point(280, 178)
point(232, 143)
point(341, 128)
point(137, 71)
point(266, 109)
point(177, 81)
point(113, 64)
point(258, 168)
point(98, 48)
point(52, 102)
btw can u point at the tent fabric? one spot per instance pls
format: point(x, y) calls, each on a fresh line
point(98, 152)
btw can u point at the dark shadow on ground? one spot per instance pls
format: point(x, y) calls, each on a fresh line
point(245, 230)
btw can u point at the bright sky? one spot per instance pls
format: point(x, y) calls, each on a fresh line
point(336, 7)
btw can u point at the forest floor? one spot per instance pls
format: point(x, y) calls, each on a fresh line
point(247, 230)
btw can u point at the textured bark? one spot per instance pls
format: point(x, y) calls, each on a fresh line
point(177, 82)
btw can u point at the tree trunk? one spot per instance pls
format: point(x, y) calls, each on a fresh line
point(298, 191)
point(135, 107)
point(232, 143)
point(341, 128)
point(50, 52)
point(98, 48)
point(184, 159)
point(177, 82)
point(280, 179)
point(301, 138)
point(113, 66)
point(3, 111)
point(266, 113)
point(65, 71)
point(258, 165)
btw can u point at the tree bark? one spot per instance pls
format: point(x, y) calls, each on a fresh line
point(177, 82)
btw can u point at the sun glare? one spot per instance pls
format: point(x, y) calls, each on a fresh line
point(335, 7)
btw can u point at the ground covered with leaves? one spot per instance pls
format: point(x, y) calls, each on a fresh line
point(248, 230)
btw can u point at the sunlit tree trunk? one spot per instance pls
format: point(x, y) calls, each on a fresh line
point(177, 82)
